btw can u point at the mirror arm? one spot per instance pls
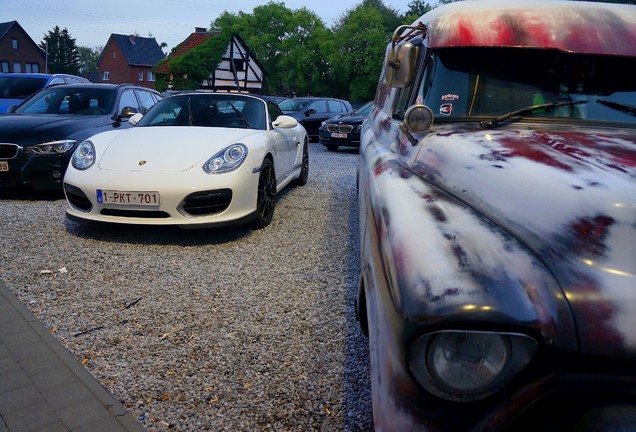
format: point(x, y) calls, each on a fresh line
point(414, 30)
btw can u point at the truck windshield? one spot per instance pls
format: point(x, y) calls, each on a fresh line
point(492, 82)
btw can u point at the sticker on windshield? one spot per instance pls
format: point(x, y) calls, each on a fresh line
point(446, 109)
point(450, 97)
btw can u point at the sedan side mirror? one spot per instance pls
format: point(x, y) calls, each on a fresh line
point(128, 112)
point(310, 112)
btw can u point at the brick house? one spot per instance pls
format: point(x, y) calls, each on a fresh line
point(129, 59)
point(18, 52)
point(239, 69)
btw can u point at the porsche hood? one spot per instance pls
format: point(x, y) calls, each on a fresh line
point(163, 149)
point(569, 196)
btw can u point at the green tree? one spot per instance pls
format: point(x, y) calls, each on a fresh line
point(416, 9)
point(62, 53)
point(357, 48)
point(88, 58)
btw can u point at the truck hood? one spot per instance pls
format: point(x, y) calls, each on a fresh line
point(567, 195)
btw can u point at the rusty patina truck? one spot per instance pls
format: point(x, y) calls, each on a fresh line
point(497, 192)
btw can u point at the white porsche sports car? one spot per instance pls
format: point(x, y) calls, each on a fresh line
point(195, 160)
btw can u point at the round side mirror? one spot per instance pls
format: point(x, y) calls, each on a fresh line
point(418, 119)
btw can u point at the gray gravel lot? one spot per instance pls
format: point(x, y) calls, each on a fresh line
point(193, 330)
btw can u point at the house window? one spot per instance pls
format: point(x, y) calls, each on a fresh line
point(14, 44)
point(140, 76)
point(151, 76)
point(239, 64)
point(105, 76)
point(32, 68)
point(17, 67)
point(5, 67)
point(114, 54)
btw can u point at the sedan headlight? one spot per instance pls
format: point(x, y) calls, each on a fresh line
point(226, 160)
point(468, 365)
point(84, 155)
point(52, 147)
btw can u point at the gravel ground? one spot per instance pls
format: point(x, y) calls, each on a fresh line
point(228, 329)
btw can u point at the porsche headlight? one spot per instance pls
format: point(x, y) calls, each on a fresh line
point(84, 155)
point(468, 365)
point(226, 160)
point(52, 147)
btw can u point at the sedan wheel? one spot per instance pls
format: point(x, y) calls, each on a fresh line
point(266, 197)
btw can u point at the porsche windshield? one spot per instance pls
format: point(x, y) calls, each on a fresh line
point(491, 82)
point(208, 110)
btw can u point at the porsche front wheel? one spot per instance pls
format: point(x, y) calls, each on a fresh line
point(266, 195)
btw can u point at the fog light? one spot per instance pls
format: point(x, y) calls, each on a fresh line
point(57, 175)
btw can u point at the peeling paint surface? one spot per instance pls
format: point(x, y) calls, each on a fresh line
point(583, 27)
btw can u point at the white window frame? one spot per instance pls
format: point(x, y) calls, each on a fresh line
point(150, 76)
point(106, 75)
point(140, 75)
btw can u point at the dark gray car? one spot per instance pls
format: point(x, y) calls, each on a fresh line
point(38, 139)
point(312, 111)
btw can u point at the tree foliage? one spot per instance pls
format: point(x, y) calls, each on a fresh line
point(88, 58)
point(192, 68)
point(62, 53)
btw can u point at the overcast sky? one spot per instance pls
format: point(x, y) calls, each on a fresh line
point(171, 21)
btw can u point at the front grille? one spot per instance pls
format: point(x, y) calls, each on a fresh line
point(8, 151)
point(148, 214)
point(207, 202)
point(77, 198)
point(343, 128)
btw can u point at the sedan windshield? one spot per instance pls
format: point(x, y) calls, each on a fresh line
point(69, 100)
point(208, 110)
point(499, 82)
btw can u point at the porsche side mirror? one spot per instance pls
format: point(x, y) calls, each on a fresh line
point(285, 121)
point(135, 119)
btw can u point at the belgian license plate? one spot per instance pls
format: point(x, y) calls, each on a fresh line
point(4, 166)
point(128, 198)
point(338, 135)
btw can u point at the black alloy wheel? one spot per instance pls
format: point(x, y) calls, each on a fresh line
point(266, 196)
point(304, 167)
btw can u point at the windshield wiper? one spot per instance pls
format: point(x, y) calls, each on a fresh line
point(527, 110)
point(240, 115)
point(628, 109)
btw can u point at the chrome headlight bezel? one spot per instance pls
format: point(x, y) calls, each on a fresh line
point(448, 363)
point(84, 156)
point(228, 159)
point(56, 147)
